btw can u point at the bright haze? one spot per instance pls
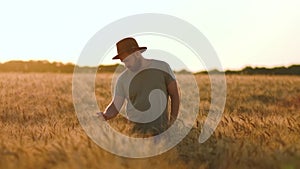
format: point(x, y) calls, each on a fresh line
point(243, 33)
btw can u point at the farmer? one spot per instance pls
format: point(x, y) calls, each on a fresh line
point(146, 85)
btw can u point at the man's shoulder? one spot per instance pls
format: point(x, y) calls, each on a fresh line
point(124, 74)
point(159, 63)
point(164, 66)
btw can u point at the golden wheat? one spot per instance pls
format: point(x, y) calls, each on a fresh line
point(259, 129)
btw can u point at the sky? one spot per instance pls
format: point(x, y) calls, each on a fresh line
point(243, 33)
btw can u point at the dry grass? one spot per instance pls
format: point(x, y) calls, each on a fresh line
point(259, 129)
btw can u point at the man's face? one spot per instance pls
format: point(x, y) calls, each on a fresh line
point(132, 62)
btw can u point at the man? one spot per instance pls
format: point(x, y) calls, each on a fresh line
point(146, 86)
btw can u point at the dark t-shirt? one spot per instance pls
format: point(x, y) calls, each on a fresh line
point(146, 95)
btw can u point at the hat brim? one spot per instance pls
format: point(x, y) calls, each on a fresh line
point(123, 55)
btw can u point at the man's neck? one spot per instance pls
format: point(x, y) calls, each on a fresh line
point(145, 63)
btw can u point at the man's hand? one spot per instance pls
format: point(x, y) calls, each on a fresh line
point(113, 108)
point(171, 121)
point(102, 116)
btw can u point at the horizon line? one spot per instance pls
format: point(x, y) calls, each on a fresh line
point(213, 69)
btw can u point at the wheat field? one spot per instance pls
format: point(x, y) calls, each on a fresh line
point(260, 127)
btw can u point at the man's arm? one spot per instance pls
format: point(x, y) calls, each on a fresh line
point(174, 95)
point(113, 108)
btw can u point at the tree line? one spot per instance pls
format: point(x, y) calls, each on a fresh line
point(58, 67)
point(51, 67)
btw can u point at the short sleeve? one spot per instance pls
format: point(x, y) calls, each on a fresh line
point(169, 74)
point(119, 89)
